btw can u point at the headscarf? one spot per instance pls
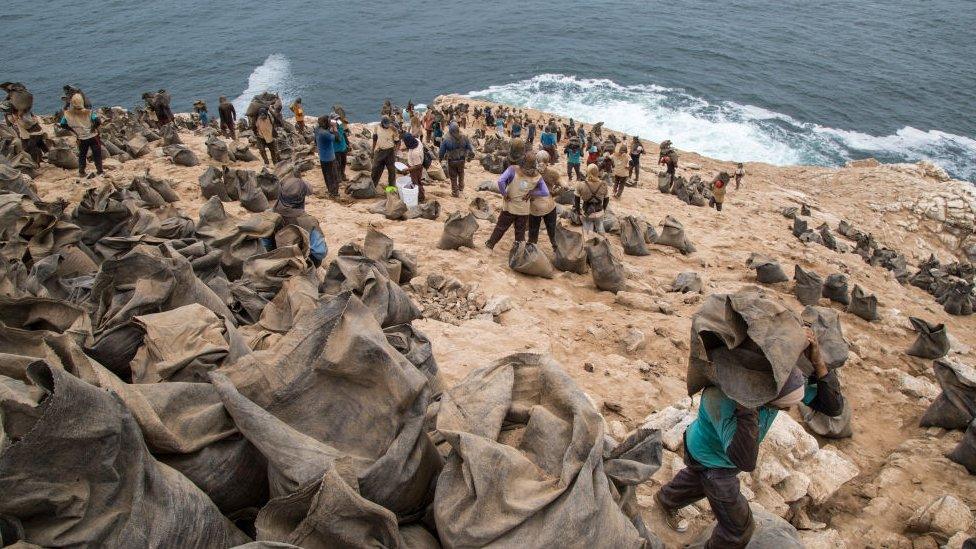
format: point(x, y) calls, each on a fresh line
point(77, 114)
point(385, 121)
point(542, 157)
point(409, 140)
point(792, 392)
point(453, 129)
point(528, 165)
point(593, 173)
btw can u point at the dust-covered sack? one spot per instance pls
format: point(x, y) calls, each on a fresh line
point(767, 270)
point(955, 408)
point(808, 286)
point(745, 344)
point(607, 270)
point(632, 236)
point(459, 229)
point(932, 341)
point(529, 465)
point(570, 255)
point(835, 288)
point(673, 234)
point(528, 259)
point(863, 305)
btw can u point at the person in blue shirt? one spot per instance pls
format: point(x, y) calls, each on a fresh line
point(547, 139)
point(325, 138)
point(725, 438)
point(341, 148)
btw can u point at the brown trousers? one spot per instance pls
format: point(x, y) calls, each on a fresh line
point(417, 177)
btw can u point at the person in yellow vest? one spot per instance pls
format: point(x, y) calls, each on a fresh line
point(719, 185)
point(385, 141)
point(83, 122)
point(543, 208)
point(592, 198)
point(621, 170)
point(517, 185)
point(299, 113)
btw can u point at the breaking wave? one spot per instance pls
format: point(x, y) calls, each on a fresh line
point(274, 75)
point(728, 130)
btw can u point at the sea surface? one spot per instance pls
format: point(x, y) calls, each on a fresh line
point(785, 82)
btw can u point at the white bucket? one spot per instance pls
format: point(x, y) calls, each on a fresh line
point(408, 193)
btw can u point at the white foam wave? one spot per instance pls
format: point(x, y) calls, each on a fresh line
point(274, 75)
point(728, 130)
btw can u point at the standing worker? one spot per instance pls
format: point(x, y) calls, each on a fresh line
point(517, 185)
point(228, 118)
point(384, 151)
point(200, 107)
point(341, 147)
point(456, 149)
point(724, 440)
point(543, 208)
point(718, 187)
point(299, 112)
point(415, 163)
point(264, 135)
point(621, 170)
point(591, 200)
point(668, 158)
point(636, 151)
point(83, 122)
point(325, 138)
point(740, 172)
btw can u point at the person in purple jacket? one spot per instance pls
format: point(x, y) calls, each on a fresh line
point(517, 185)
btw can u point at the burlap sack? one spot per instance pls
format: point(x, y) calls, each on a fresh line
point(528, 464)
point(298, 294)
point(181, 155)
point(607, 270)
point(570, 255)
point(799, 226)
point(808, 286)
point(459, 231)
point(212, 184)
point(377, 246)
point(84, 436)
point(632, 236)
point(414, 345)
point(826, 426)
point(335, 378)
point(965, 452)
point(249, 193)
point(266, 272)
point(664, 182)
point(769, 337)
point(932, 341)
point(825, 323)
point(362, 187)
point(269, 184)
point(428, 210)
point(771, 532)
point(767, 270)
point(673, 234)
point(481, 209)
point(835, 288)
point(393, 208)
point(528, 259)
point(370, 281)
point(955, 408)
point(863, 305)
point(957, 297)
point(217, 149)
point(315, 501)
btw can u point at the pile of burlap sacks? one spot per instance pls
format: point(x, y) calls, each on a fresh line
point(168, 381)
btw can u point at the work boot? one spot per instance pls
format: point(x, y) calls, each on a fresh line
point(675, 522)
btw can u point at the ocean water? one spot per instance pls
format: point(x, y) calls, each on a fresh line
point(788, 82)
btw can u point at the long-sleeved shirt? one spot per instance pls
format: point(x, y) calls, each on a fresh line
point(341, 144)
point(727, 436)
point(454, 149)
point(509, 175)
point(325, 141)
point(227, 113)
point(85, 127)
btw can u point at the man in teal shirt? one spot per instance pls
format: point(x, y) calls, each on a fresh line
point(724, 440)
